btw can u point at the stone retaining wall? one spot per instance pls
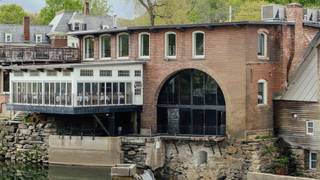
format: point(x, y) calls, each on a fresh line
point(263, 176)
point(25, 142)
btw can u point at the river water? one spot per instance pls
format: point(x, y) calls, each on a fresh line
point(21, 171)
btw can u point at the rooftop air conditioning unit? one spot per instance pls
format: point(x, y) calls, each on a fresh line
point(273, 13)
point(311, 15)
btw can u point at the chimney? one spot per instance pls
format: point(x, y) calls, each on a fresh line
point(86, 7)
point(295, 14)
point(26, 28)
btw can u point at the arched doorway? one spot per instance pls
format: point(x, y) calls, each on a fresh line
point(191, 102)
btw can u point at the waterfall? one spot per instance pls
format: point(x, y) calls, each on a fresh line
point(147, 175)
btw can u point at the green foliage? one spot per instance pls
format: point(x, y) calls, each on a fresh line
point(11, 14)
point(99, 7)
point(270, 151)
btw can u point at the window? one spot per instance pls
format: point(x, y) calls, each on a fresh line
point(312, 160)
point(262, 44)
point(88, 48)
point(51, 73)
point(34, 73)
point(123, 46)
point(262, 92)
point(8, 37)
point(310, 127)
point(6, 82)
point(105, 73)
point(86, 72)
point(123, 73)
point(137, 73)
point(137, 88)
point(76, 26)
point(105, 45)
point(38, 38)
point(170, 45)
point(144, 45)
point(198, 44)
point(66, 73)
point(18, 73)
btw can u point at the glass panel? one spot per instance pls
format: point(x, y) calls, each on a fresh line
point(63, 93)
point(162, 121)
point(123, 45)
point(199, 38)
point(211, 92)
point(171, 45)
point(102, 91)
point(106, 47)
point(129, 93)
point(46, 93)
point(115, 93)
point(185, 88)
point(261, 46)
point(122, 93)
point(144, 45)
point(69, 95)
point(51, 94)
point(80, 97)
point(260, 93)
point(108, 93)
point(40, 93)
point(29, 93)
point(94, 93)
point(87, 94)
point(6, 81)
point(57, 94)
point(198, 121)
point(211, 122)
point(185, 121)
point(198, 87)
point(34, 93)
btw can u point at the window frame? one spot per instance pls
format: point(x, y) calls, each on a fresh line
point(41, 39)
point(307, 127)
point(194, 45)
point(265, 92)
point(84, 48)
point(167, 45)
point(100, 47)
point(265, 46)
point(310, 160)
point(140, 45)
point(5, 37)
point(118, 46)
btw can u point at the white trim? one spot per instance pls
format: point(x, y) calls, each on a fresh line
point(118, 36)
point(194, 55)
point(39, 35)
point(5, 37)
point(307, 127)
point(265, 91)
point(310, 160)
point(100, 47)
point(264, 56)
point(140, 46)
point(84, 48)
point(166, 45)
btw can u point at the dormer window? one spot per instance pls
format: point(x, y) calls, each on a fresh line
point(8, 37)
point(38, 38)
point(76, 26)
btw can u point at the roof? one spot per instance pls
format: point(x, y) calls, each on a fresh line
point(305, 83)
point(17, 32)
point(60, 22)
point(179, 26)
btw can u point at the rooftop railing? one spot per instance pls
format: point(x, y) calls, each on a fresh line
point(38, 54)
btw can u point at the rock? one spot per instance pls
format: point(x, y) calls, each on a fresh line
point(131, 153)
point(27, 146)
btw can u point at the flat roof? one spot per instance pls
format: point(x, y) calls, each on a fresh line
point(179, 26)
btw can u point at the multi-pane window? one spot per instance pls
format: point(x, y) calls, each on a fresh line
point(137, 73)
point(8, 37)
point(262, 92)
point(123, 73)
point(262, 44)
point(170, 45)
point(105, 44)
point(34, 73)
point(86, 72)
point(198, 44)
point(144, 45)
point(88, 48)
point(137, 88)
point(123, 45)
point(51, 73)
point(310, 127)
point(312, 160)
point(105, 73)
point(18, 73)
point(38, 38)
point(66, 73)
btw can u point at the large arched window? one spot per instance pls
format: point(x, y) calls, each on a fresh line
point(88, 48)
point(105, 47)
point(123, 46)
point(191, 102)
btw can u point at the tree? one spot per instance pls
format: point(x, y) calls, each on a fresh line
point(99, 7)
point(151, 7)
point(11, 14)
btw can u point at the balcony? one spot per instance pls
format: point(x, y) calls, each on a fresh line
point(10, 55)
